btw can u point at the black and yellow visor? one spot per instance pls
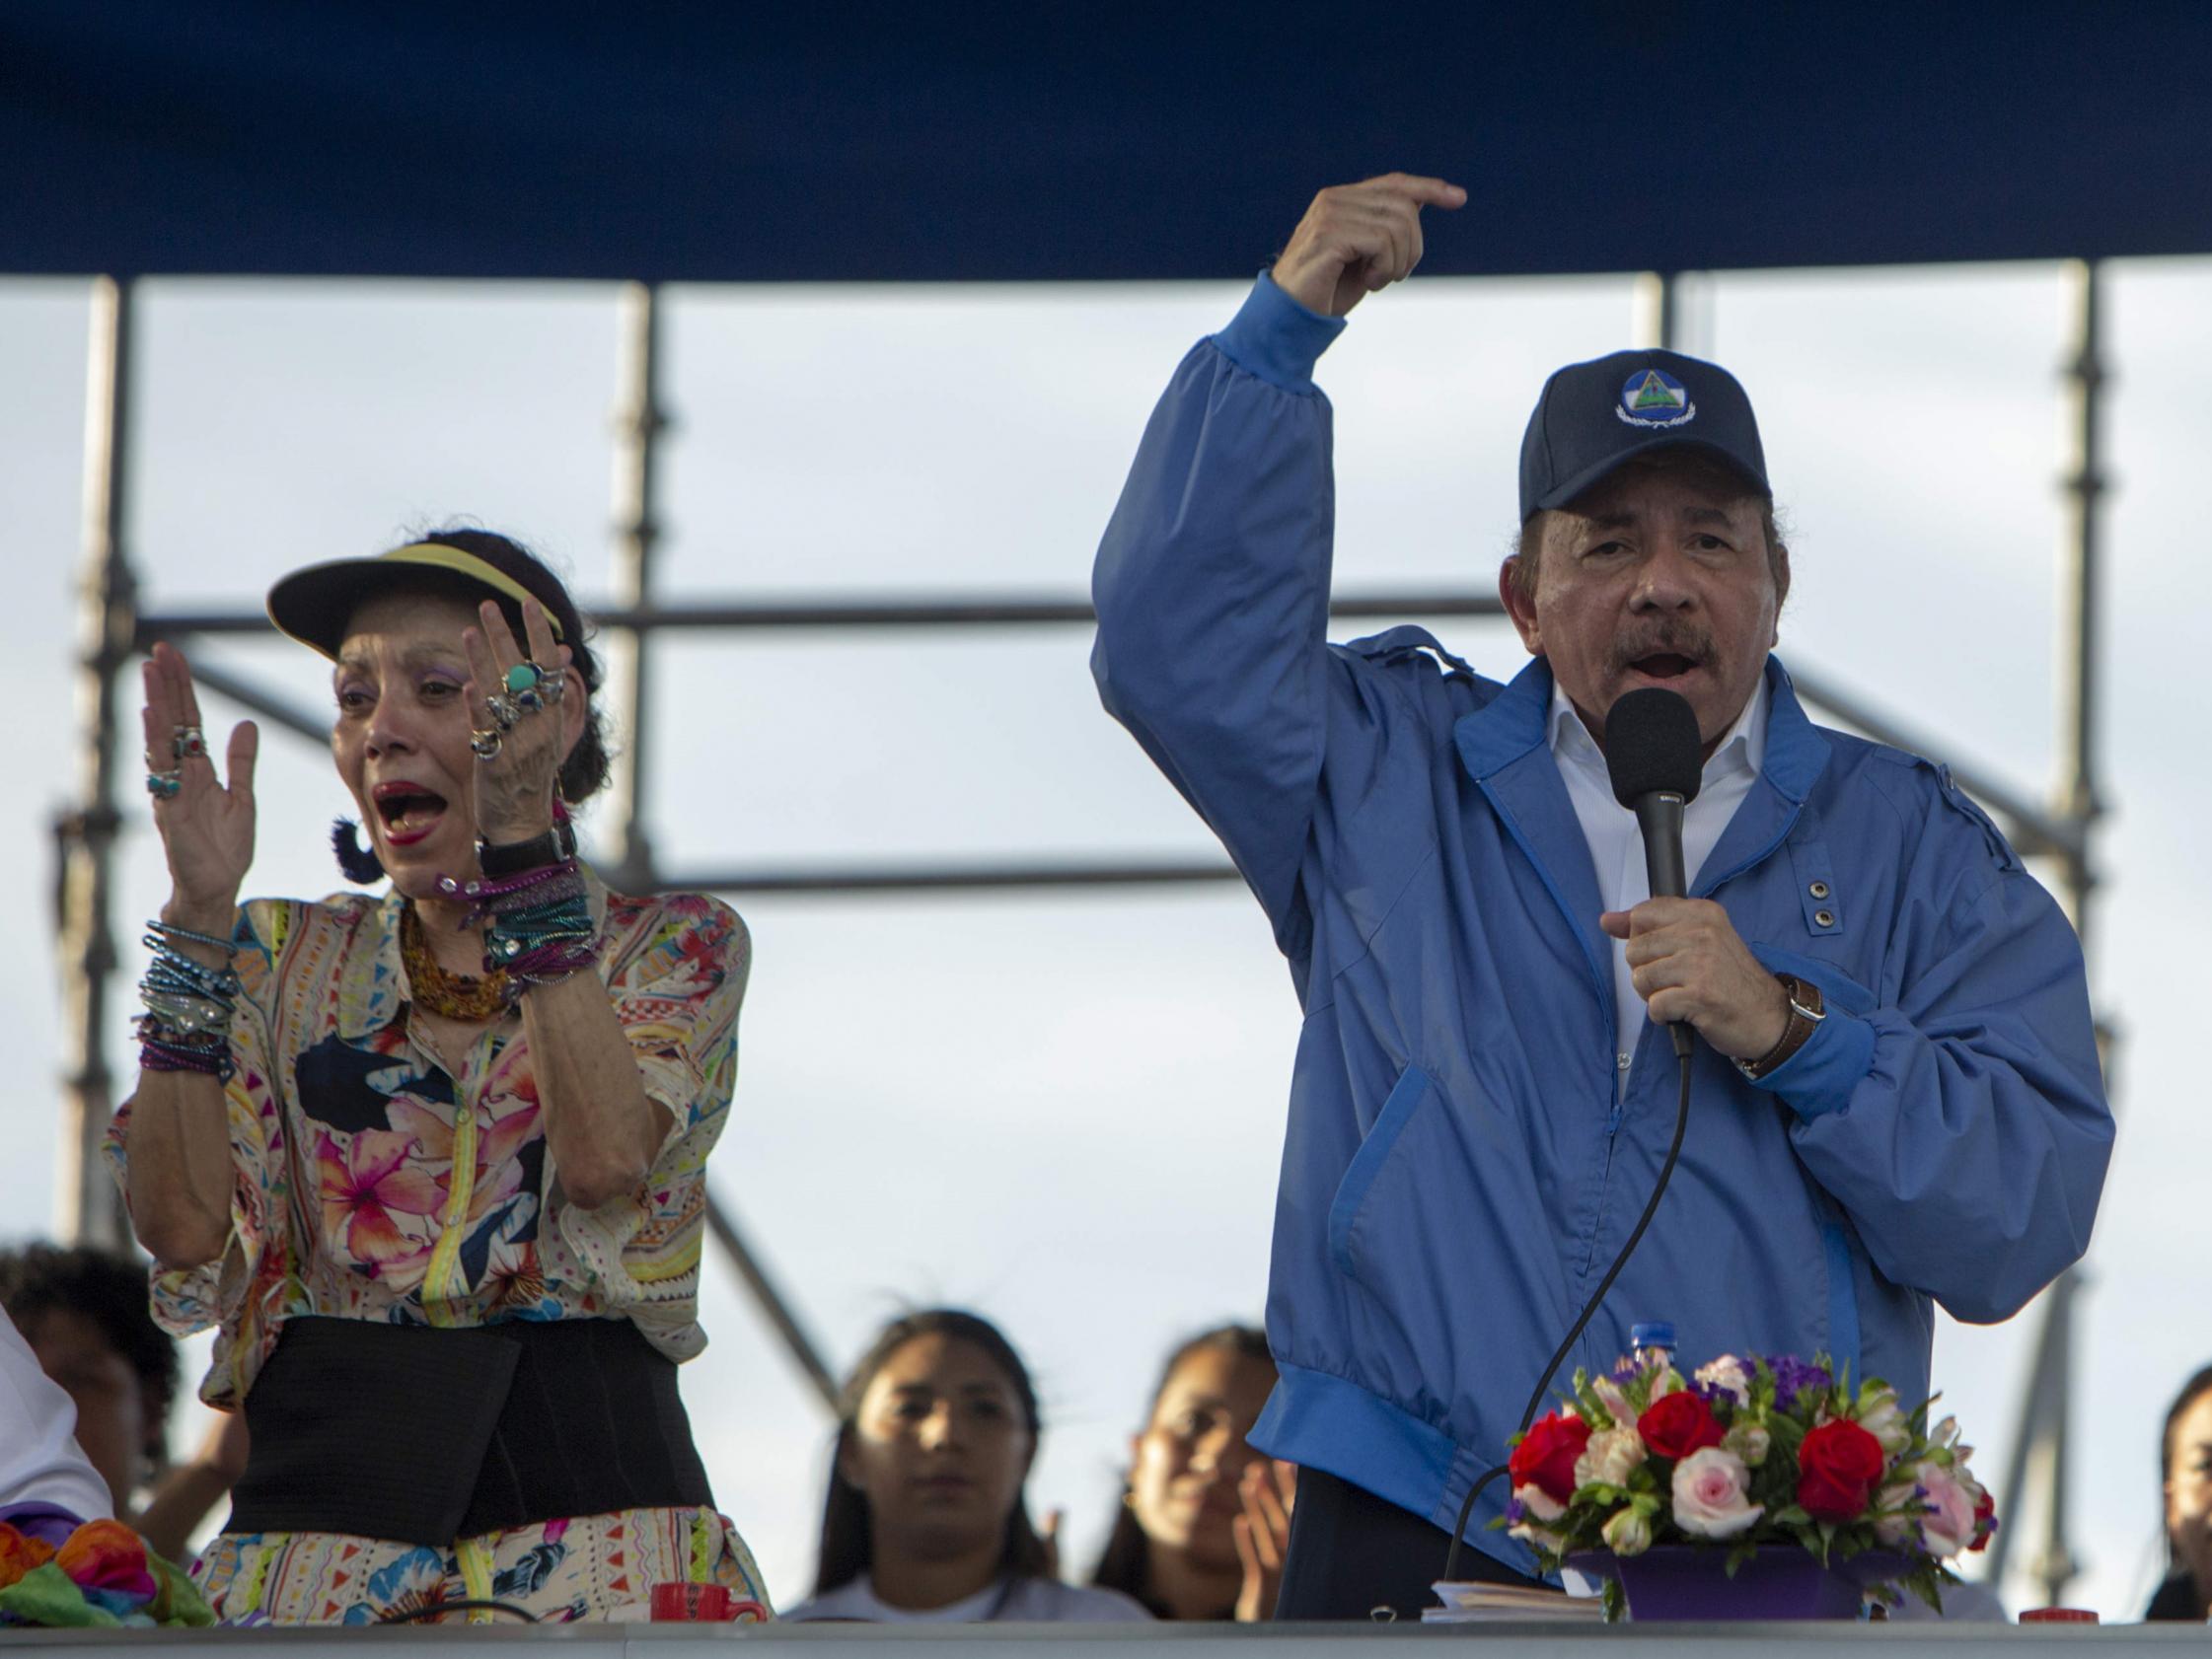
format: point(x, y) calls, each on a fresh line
point(315, 604)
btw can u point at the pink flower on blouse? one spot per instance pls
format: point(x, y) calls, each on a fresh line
point(364, 1184)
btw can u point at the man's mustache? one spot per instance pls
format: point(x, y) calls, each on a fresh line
point(1680, 639)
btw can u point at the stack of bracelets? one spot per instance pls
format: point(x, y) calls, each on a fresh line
point(536, 911)
point(186, 1026)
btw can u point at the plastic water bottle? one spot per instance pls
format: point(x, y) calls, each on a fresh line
point(1651, 1341)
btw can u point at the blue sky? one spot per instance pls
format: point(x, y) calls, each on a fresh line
point(1067, 1110)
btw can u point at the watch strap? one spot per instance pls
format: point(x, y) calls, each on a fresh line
point(1807, 1010)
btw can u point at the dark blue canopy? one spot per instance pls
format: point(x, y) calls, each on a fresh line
point(1129, 139)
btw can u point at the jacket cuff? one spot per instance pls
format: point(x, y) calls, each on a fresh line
point(1820, 1076)
point(1276, 340)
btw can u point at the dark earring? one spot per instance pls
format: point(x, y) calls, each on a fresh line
point(358, 862)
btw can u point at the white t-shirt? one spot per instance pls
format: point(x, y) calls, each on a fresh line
point(39, 1461)
point(1021, 1600)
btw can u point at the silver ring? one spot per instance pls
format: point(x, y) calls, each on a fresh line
point(484, 744)
point(164, 785)
point(188, 743)
point(502, 710)
point(552, 683)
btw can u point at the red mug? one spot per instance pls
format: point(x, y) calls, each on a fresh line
point(678, 1600)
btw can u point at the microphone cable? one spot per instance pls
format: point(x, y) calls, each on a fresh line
point(1589, 1309)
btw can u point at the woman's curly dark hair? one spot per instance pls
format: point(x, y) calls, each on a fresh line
point(110, 1290)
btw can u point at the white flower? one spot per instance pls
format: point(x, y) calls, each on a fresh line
point(1944, 1434)
point(1887, 1423)
point(1610, 1457)
point(1539, 1503)
point(1728, 1374)
point(1748, 1441)
point(1628, 1533)
point(1710, 1494)
point(1900, 1529)
point(1535, 1502)
point(1614, 1398)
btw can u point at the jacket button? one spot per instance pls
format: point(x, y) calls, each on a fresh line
point(1824, 919)
point(1818, 890)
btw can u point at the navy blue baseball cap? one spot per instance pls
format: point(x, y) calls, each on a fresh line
point(1595, 416)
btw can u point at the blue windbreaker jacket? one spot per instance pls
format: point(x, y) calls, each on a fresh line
point(1458, 1175)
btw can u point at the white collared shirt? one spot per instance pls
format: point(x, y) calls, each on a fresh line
point(1616, 848)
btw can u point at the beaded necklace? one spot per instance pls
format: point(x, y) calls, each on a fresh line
point(450, 996)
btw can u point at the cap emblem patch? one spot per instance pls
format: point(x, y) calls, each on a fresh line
point(1654, 397)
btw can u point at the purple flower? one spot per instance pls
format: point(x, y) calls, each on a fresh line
point(1516, 1511)
point(1794, 1376)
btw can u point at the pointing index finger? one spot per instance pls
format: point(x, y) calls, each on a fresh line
point(1429, 192)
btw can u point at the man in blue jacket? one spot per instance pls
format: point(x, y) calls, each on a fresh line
point(1897, 1095)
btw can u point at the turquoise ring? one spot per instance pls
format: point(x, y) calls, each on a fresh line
point(523, 677)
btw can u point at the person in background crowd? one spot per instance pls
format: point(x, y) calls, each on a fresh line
point(1205, 1519)
point(2185, 1465)
point(41, 1466)
point(84, 1313)
point(432, 1161)
point(926, 1517)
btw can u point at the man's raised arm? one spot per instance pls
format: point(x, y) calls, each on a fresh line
point(1212, 580)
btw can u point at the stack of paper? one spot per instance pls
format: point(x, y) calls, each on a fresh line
point(1469, 1604)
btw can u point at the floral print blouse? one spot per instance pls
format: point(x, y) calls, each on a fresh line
point(370, 1184)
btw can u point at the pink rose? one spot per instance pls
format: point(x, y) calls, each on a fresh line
point(1948, 1525)
point(1711, 1494)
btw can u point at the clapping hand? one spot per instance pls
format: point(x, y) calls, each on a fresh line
point(206, 826)
point(1268, 1488)
point(523, 736)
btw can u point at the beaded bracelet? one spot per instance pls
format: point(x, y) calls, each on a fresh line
point(188, 1005)
point(537, 924)
point(162, 1049)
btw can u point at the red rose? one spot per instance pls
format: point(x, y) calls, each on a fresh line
point(1545, 1457)
point(1837, 1467)
point(1985, 1523)
point(1676, 1425)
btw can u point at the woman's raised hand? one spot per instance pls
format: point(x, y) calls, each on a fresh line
point(206, 827)
point(1269, 1490)
point(523, 735)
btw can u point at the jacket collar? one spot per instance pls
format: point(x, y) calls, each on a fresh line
point(1505, 748)
point(1513, 723)
point(372, 984)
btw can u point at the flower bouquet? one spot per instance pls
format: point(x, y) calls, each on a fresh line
point(57, 1571)
point(1746, 1454)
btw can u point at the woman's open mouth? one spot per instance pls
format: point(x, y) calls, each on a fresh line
point(408, 812)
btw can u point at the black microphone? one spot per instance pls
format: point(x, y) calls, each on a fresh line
point(1656, 760)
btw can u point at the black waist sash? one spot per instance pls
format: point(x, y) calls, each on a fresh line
point(429, 1436)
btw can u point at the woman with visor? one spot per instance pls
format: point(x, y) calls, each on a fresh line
point(432, 1162)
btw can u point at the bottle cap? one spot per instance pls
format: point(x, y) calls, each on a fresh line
point(1652, 1333)
point(2058, 1616)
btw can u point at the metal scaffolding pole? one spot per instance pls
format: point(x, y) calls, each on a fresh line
point(2036, 1472)
point(638, 424)
point(88, 1208)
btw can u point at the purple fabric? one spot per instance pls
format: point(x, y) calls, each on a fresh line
point(48, 1523)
